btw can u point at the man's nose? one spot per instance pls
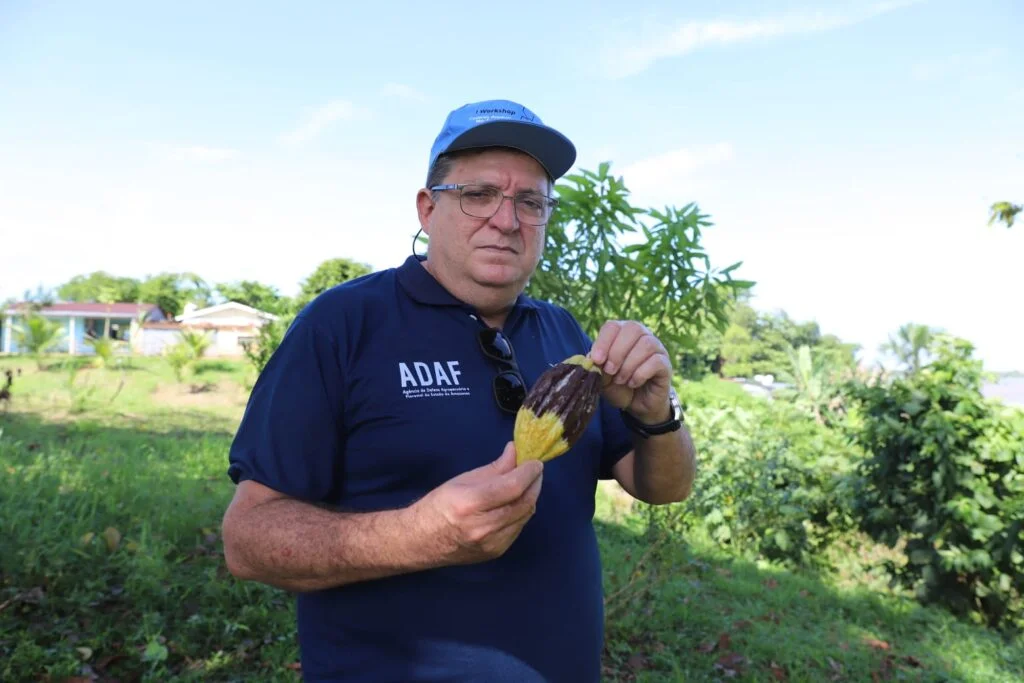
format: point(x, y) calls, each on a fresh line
point(505, 218)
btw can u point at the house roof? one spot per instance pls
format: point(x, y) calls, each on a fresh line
point(91, 309)
point(172, 325)
point(226, 306)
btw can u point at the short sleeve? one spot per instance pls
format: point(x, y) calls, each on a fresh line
point(290, 436)
point(616, 439)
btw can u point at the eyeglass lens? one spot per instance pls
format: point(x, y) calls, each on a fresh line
point(508, 386)
point(483, 201)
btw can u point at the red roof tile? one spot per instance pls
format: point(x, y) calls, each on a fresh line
point(131, 310)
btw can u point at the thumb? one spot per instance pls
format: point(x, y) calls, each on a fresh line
point(506, 462)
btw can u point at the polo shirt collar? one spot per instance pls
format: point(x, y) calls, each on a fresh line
point(421, 286)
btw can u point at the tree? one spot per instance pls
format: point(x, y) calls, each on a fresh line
point(944, 476)
point(171, 291)
point(328, 274)
point(663, 278)
point(910, 345)
point(100, 286)
point(758, 343)
point(1004, 212)
point(255, 294)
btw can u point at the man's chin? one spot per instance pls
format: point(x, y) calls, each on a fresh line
point(500, 275)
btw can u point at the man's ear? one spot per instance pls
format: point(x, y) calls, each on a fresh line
point(425, 206)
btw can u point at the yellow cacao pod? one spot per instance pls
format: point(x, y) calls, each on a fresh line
point(557, 409)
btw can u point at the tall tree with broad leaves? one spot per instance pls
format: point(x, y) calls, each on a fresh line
point(607, 260)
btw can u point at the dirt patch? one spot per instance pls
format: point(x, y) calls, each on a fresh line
point(200, 395)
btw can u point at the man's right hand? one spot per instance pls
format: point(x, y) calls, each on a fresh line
point(477, 515)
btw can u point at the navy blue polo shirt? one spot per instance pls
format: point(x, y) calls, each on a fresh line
point(378, 393)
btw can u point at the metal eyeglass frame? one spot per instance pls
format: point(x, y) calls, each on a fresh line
point(552, 201)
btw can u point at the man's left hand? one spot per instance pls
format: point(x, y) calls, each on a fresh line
point(636, 369)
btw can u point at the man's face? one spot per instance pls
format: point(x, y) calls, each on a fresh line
point(492, 252)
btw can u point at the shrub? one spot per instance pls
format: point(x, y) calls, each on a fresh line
point(946, 475)
point(771, 482)
point(270, 335)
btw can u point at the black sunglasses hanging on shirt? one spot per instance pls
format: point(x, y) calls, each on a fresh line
point(509, 387)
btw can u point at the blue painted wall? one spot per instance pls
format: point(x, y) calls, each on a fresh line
point(77, 330)
point(60, 347)
point(81, 347)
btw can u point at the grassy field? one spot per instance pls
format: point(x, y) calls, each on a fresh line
point(112, 487)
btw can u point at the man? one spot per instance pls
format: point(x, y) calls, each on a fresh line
point(375, 470)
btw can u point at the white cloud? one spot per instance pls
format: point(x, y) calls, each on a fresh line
point(639, 53)
point(403, 92)
point(663, 174)
point(315, 121)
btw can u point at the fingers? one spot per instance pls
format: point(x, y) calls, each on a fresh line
point(507, 487)
point(621, 348)
point(622, 352)
point(603, 343)
point(655, 367)
point(506, 462)
point(617, 395)
point(515, 514)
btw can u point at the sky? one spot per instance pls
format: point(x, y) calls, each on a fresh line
point(846, 152)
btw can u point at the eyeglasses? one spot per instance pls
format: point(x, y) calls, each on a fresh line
point(509, 387)
point(483, 201)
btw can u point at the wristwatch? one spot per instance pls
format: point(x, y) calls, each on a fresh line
point(673, 423)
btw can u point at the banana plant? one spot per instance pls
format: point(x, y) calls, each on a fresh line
point(812, 385)
point(197, 342)
point(910, 346)
point(37, 335)
point(103, 350)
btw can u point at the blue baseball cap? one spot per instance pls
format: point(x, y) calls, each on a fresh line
point(502, 123)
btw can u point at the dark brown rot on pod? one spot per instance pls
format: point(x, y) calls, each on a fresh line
point(557, 410)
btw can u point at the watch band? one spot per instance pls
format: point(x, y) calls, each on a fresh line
point(647, 430)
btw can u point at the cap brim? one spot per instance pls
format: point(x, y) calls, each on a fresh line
point(551, 149)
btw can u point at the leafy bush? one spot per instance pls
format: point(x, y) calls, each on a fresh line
point(270, 335)
point(186, 353)
point(771, 482)
point(947, 477)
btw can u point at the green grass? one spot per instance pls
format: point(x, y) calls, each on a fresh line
point(697, 614)
point(112, 566)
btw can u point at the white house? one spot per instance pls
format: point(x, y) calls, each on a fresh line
point(229, 326)
point(80, 321)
